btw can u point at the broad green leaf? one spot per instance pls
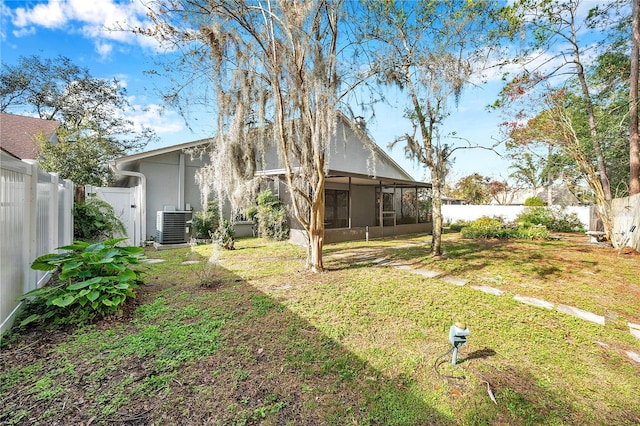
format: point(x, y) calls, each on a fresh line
point(93, 295)
point(127, 275)
point(111, 253)
point(107, 302)
point(113, 242)
point(71, 265)
point(131, 249)
point(63, 301)
point(42, 264)
point(121, 286)
point(83, 284)
point(77, 245)
point(29, 319)
point(93, 248)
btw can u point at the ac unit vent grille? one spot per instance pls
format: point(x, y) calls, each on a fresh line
point(172, 227)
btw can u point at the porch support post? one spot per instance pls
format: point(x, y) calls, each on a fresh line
point(417, 206)
point(181, 205)
point(380, 206)
point(350, 202)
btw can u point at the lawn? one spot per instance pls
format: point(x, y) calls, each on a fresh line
point(258, 340)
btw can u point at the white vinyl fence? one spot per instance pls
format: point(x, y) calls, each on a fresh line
point(454, 212)
point(35, 218)
point(626, 212)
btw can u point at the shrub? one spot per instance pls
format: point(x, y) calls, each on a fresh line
point(458, 225)
point(486, 227)
point(271, 217)
point(95, 220)
point(90, 280)
point(223, 236)
point(206, 222)
point(554, 218)
point(534, 202)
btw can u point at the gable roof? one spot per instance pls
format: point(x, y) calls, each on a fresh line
point(391, 171)
point(18, 134)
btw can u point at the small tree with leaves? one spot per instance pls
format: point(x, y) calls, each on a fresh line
point(430, 49)
point(91, 112)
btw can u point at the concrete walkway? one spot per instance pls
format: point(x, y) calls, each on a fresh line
point(374, 256)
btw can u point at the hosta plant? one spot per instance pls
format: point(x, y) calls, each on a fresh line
point(90, 280)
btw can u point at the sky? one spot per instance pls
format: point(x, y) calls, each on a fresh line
point(77, 29)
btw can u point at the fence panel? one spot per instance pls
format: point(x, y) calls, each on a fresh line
point(454, 212)
point(36, 216)
point(626, 212)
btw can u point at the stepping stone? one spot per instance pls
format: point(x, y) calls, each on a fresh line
point(634, 329)
point(363, 258)
point(403, 267)
point(190, 262)
point(588, 316)
point(152, 260)
point(427, 273)
point(487, 289)
point(455, 280)
point(534, 302)
point(634, 356)
point(380, 261)
point(284, 287)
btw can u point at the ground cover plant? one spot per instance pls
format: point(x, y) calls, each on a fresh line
point(274, 344)
point(88, 280)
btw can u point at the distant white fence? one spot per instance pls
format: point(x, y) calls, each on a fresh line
point(36, 217)
point(454, 212)
point(626, 212)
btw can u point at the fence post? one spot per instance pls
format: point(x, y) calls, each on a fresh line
point(31, 219)
point(54, 213)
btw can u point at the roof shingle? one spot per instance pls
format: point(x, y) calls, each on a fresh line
point(18, 134)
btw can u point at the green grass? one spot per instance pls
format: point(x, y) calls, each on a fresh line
point(274, 344)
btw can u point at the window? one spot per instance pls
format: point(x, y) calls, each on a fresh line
point(336, 208)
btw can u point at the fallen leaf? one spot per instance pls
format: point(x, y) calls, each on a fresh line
point(490, 392)
point(456, 392)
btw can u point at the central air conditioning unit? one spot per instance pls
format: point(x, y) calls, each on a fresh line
point(172, 227)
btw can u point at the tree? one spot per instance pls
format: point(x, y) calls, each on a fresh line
point(553, 52)
point(91, 112)
point(472, 188)
point(634, 139)
point(275, 71)
point(500, 191)
point(548, 25)
point(430, 49)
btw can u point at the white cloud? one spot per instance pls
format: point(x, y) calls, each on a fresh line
point(99, 20)
point(158, 118)
point(23, 32)
point(103, 49)
point(48, 15)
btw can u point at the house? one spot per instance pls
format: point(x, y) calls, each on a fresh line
point(358, 179)
point(560, 196)
point(18, 135)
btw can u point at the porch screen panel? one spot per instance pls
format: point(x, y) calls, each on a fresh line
point(424, 205)
point(336, 214)
point(407, 200)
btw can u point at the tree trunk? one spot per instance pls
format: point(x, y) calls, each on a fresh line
point(634, 149)
point(593, 127)
point(436, 206)
point(316, 229)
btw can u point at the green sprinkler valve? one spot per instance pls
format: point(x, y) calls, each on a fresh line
point(457, 336)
